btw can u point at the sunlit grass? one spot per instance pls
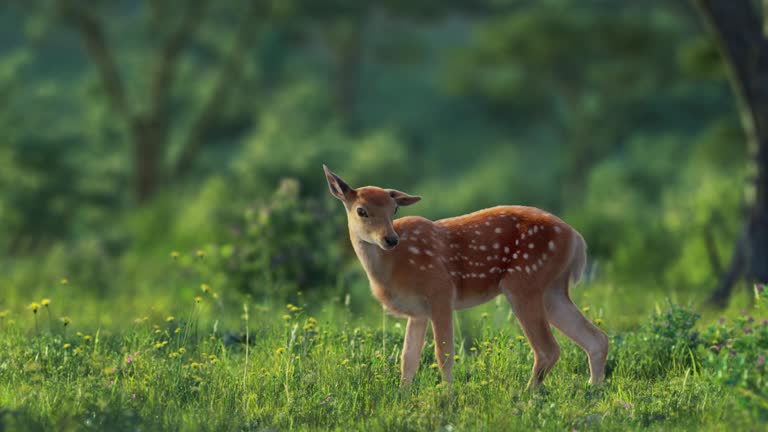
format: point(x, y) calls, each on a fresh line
point(187, 366)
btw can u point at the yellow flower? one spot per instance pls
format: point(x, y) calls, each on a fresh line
point(280, 350)
point(286, 317)
point(175, 255)
point(170, 318)
point(198, 299)
point(65, 320)
point(34, 307)
point(433, 366)
point(3, 314)
point(585, 309)
point(205, 288)
point(45, 302)
point(520, 337)
point(484, 315)
point(344, 362)
point(178, 330)
point(87, 337)
point(456, 358)
point(598, 321)
point(200, 253)
point(77, 350)
point(64, 281)
point(66, 345)
point(182, 350)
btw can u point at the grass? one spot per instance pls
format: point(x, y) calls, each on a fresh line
point(323, 366)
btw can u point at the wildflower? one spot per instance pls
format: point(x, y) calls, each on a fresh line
point(66, 346)
point(33, 307)
point(175, 255)
point(182, 350)
point(520, 337)
point(456, 358)
point(433, 366)
point(484, 315)
point(721, 321)
point(760, 360)
point(45, 302)
point(198, 299)
point(64, 281)
point(748, 330)
point(77, 350)
point(585, 309)
point(345, 362)
point(65, 320)
point(3, 314)
point(205, 288)
point(280, 350)
point(286, 317)
point(200, 253)
point(170, 318)
point(87, 338)
point(483, 382)
point(177, 330)
point(129, 359)
point(628, 405)
point(598, 321)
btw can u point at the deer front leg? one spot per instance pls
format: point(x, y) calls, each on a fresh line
point(412, 346)
point(442, 327)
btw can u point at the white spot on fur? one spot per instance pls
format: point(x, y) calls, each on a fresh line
point(497, 230)
point(557, 229)
point(430, 253)
point(525, 256)
point(414, 250)
point(482, 247)
point(530, 245)
point(533, 266)
point(506, 249)
point(478, 232)
point(482, 275)
point(518, 268)
point(527, 269)
point(514, 255)
point(410, 260)
point(522, 236)
point(551, 245)
point(496, 245)
point(422, 268)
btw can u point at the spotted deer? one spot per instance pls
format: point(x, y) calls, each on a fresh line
point(424, 270)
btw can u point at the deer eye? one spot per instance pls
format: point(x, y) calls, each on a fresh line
point(361, 212)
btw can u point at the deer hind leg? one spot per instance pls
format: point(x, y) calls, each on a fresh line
point(569, 320)
point(530, 312)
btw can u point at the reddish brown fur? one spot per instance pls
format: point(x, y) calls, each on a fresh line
point(527, 254)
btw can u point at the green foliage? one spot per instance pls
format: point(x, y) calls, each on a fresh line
point(285, 244)
point(305, 371)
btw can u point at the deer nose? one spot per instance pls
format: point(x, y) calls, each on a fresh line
point(391, 241)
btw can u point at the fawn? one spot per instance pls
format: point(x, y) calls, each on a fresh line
point(424, 270)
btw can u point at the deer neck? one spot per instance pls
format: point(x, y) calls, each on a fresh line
point(376, 262)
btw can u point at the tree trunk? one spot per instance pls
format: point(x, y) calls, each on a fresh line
point(148, 135)
point(738, 29)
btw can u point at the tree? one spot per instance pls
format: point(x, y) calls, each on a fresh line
point(741, 38)
point(148, 121)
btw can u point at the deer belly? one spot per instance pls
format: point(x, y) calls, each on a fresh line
point(469, 296)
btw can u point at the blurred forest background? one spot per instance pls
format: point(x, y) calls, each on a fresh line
point(139, 132)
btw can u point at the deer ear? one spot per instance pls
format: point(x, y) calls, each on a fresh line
point(338, 187)
point(403, 199)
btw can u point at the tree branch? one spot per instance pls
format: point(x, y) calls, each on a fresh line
point(229, 73)
point(96, 47)
point(168, 58)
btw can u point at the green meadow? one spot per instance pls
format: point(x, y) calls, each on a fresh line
point(171, 259)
